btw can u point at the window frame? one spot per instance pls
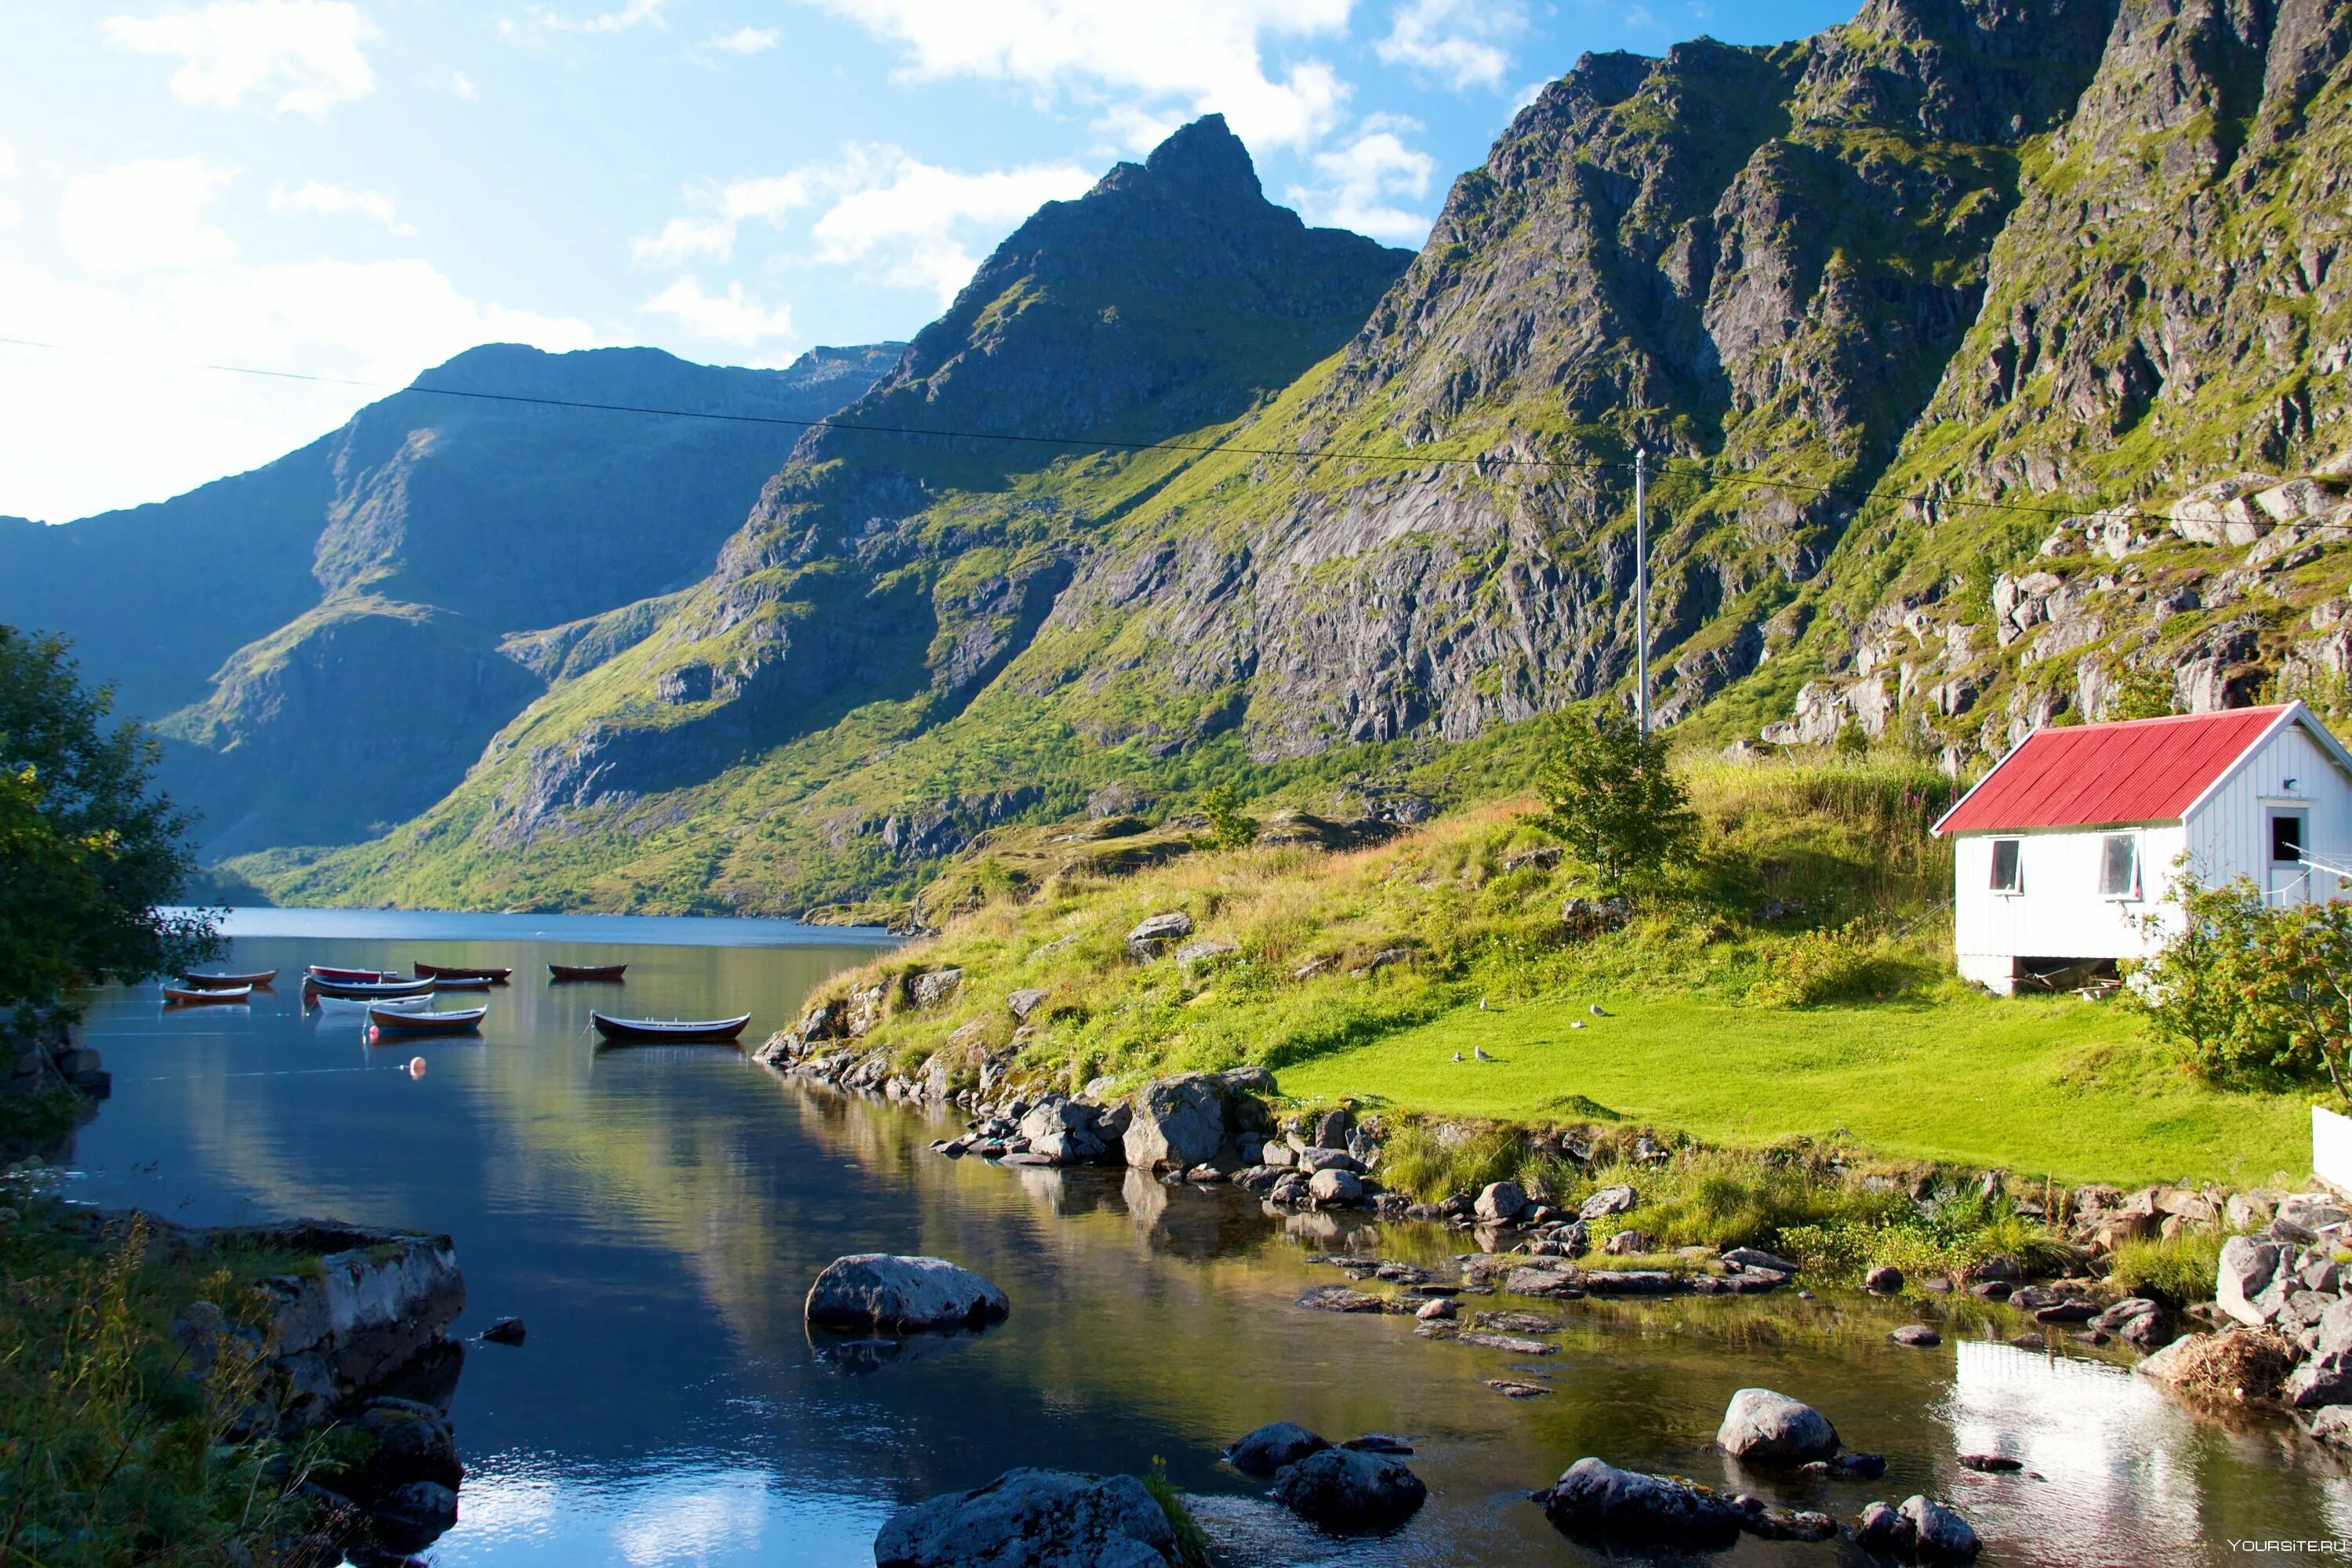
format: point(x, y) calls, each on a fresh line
point(2015, 887)
point(2132, 894)
point(2302, 820)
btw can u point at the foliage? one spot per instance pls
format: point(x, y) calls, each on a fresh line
point(1830, 965)
point(2179, 1269)
point(114, 1449)
point(2141, 693)
point(88, 849)
point(1229, 825)
point(2253, 993)
point(37, 1122)
point(1611, 791)
point(1192, 1543)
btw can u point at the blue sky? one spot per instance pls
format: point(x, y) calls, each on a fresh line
point(360, 188)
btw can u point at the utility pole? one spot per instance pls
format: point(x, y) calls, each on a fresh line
point(1642, 585)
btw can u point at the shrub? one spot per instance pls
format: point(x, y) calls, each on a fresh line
point(1817, 966)
point(2252, 993)
point(1609, 791)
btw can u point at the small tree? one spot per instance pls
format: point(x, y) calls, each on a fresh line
point(2247, 991)
point(1610, 792)
point(88, 850)
point(1228, 823)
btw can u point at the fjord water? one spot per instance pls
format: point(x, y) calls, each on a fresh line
point(655, 1217)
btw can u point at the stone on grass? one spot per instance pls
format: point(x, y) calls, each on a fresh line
point(1608, 1201)
point(1343, 1489)
point(1271, 1447)
point(877, 1291)
point(1036, 1518)
point(1763, 1426)
point(1157, 933)
point(934, 986)
point(1501, 1202)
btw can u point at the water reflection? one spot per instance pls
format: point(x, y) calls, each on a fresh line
point(656, 1217)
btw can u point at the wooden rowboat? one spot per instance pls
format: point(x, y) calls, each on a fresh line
point(585, 971)
point(183, 996)
point(447, 982)
point(669, 1031)
point(445, 972)
point(195, 982)
point(395, 1021)
point(366, 990)
point(348, 976)
point(348, 1004)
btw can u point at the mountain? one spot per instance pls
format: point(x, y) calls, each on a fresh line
point(1989, 353)
point(328, 641)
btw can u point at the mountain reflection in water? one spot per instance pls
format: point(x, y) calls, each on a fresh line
point(657, 1215)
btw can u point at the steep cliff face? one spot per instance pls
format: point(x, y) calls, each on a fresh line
point(321, 638)
point(1989, 355)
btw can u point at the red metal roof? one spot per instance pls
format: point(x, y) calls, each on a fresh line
point(2143, 770)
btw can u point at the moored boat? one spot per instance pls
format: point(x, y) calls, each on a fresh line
point(198, 996)
point(669, 1031)
point(399, 1021)
point(195, 982)
point(446, 972)
point(366, 990)
point(461, 981)
point(349, 976)
point(585, 971)
point(347, 1004)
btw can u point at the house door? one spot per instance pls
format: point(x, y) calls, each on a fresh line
point(2287, 879)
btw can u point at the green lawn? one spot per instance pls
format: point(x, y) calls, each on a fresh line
point(2042, 1086)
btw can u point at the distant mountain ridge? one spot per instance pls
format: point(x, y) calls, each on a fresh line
point(323, 637)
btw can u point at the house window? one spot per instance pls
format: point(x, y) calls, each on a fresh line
point(2119, 866)
point(2004, 866)
point(2286, 838)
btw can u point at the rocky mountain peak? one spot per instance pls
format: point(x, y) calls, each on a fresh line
point(1207, 158)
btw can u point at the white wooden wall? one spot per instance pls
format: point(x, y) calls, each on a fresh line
point(2229, 835)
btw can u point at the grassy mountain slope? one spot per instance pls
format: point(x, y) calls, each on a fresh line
point(1956, 251)
point(273, 620)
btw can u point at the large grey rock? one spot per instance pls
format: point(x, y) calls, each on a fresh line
point(1762, 1427)
point(891, 1294)
point(2135, 1319)
point(1032, 1519)
point(1609, 1200)
point(2248, 1270)
point(2310, 1213)
point(1334, 1188)
point(363, 1311)
point(1271, 1447)
point(1755, 1258)
point(1157, 933)
point(1596, 1500)
point(1311, 1160)
point(1022, 1003)
point(934, 986)
point(1065, 1132)
point(1937, 1534)
point(1343, 1489)
point(1500, 1203)
point(1177, 1122)
point(2326, 1377)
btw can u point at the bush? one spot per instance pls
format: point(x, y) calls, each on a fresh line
point(2176, 1271)
point(2251, 994)
point(1818, 966)
point(1611, 792)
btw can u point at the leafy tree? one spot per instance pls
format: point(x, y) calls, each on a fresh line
point(1610, 792)
point(1230, 828)
point(88, 849)
point(2141, 694)
point(2248, 992)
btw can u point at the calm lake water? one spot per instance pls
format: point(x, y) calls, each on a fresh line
point(656, 1215)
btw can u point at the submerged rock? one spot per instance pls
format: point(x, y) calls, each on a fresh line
point(1761, 1425)
point(1032, 1519)
point(1348, 1490)
point(902, 1295)
point(1271, 1447)
point(1596, 1500)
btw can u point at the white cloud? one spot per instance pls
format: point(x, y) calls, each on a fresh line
point(1206, 54)
point(1460, 42)
point(905, 223)
point(140, 340)
point(307, 52)
point(1133, 129)
point(731, 318)
point(909, 220)
point(744, 40)
point(539, 20)
point(147, 215)
point(11, 214)
point(462, 85)
point(1363, 180)
point(336, 201)
point(7, 162)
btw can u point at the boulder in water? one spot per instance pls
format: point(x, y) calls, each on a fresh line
point(1765, 1428)
point(1272, 1446)
point(879, 1292)
point(1036, 1518)
point(1345, 1490)
point(1596, 1500)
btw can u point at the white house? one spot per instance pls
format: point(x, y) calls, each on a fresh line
point(2071, 839)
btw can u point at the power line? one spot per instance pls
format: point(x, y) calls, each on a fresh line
point(1699, 468)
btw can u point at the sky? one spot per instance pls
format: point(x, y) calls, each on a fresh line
point(358, 189)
